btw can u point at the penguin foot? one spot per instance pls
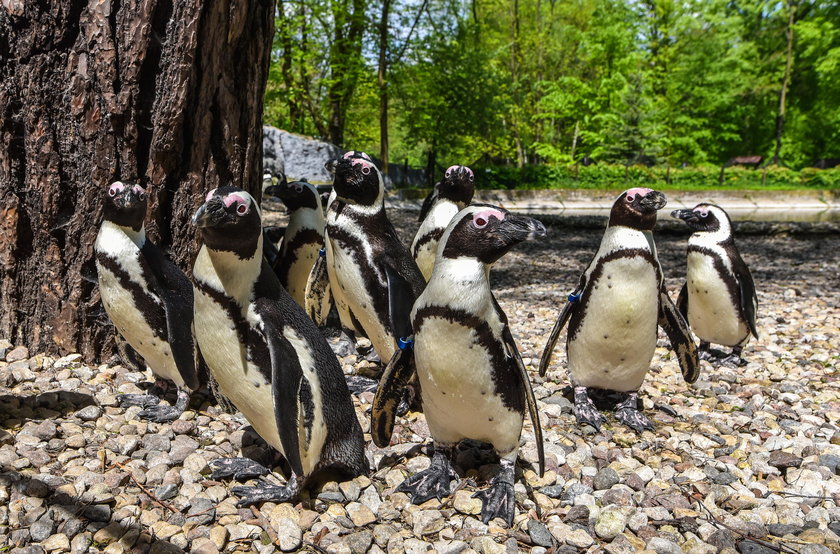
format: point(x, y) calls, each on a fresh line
point(266, 493)
point(498, 500)
point(161, 414)
point(734, 359)
point(628, 414)
point(585, 411)
point(704, 352)
point(358, 384)
point(140, 400)
point(434, 482)
point(239, 469)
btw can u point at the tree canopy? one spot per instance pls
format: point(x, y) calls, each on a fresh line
point(540, 81)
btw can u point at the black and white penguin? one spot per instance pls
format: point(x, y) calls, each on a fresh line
point(718, 299)
point(472, 380)
point(454, 193)
point(267, 356)
point(149, 300)
point(614, 312)
point(304, 236)
point(373, 278)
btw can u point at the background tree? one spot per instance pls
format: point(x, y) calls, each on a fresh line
point(166, 92)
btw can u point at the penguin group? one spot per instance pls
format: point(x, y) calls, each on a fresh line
point(248, 320)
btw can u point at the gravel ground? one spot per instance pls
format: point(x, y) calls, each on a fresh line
point(743, 460)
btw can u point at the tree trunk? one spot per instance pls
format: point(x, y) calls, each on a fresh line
point(780, 116)
point(167, 92)
point(383, 86)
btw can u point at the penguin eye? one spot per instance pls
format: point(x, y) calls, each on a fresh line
point(365, 170)
point(480, 222)
point(298, 189)
point(112, 192)
point(242, 209)
point(141, 194)
point(630, 197)
point(472, 177)
point(704, 214)
point(448, 173)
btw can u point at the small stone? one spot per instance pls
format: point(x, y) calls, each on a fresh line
point(539, 534)
point(89, 413)
point(98, 512)
point(350, 490)
point(37, 488)
point(360, 542)
point(360, 514)
point(610, 523)
point(202, 511)
point(605, 479)
point(59, 541)
point(41, 529)
point(579, 538)
point(45, 430)
point(183, 426)
point(17, 354)
point(663, 546)
point(783, 460)
point(751, 547)
point(289, 534)
point(465, 503)
point(427, 522)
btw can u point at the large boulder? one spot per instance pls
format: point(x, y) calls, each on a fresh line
point(297, 156)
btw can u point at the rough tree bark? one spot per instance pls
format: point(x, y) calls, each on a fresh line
point(168, 92)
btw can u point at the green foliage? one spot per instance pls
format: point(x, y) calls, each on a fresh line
point(620, 177)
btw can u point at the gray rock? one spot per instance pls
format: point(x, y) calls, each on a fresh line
point(573, 491)
point(289, 534)
point(782, 529)
point(663, 546)
point(427, 522)
point(610, 523)
point(539, 534)
point(97, 512)
point(156, 442)
point(297, 156)
point(202, 511)
point(45, 430)
point(37, 488)
point(752, 547)
point(552, 491)
point(89, 413)
point(605, 479)
point(784, 460)
point(359, 542)
point(41, 529)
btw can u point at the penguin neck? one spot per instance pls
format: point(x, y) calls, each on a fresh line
point(228, 273)
point(722, 235)
point(460, 282)
point(620, 237)
point(137, 236)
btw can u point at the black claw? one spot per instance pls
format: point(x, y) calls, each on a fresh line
point(161, 414)
point(140, 400)
point(358, 384)
point(434, 482)
point(263, 493)
point(633, 418)
point(498, 500)
point(238, 469)
point(585, 411)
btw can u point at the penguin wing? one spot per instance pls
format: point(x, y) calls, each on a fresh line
point(401, 297)
point(749, 299)
point(394, 379)
point(682, 301)
point(317, 296)
point(286, 382)
point(176, 292)
point(522, 373)
point(679, 334)
point(570, 307)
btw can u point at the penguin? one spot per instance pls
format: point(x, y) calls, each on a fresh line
point(149, 300)
point(454, 193)
point(718, 298)
point(267, 356)
point(373, 278)
point(303, 238)
point(614, 312)
point(473, 383)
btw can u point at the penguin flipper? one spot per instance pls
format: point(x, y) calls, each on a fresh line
point(286, 383)
point(400, 301)
point(318, 297)
point(679, 334)
point(176, 292)
point(682, 301)
point(749, 299)
point(394, 379)
point(270, 250)
point(428, 202)
point(533, 411)
point(561, 322)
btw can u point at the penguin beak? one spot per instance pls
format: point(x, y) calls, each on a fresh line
point(209, 214)
point(653, 201)
point(685, 215)
point(275, 190)
point(517, 228)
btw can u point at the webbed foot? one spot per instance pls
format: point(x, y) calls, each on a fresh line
point(266, 493)
point(164, 414)
point(734, 359)
point(498, 500)
point(585, 411)
point(434, 482)
point(704, 352)
point(140, 400)
point(358, 384)
point(627, 413)
point(238, 469)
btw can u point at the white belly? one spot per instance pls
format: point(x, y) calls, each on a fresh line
point(300, 270)
point(711, 314)
point(617, 337)
point(350, 294)
point(131, 324)
point(239, 380)
point(457, 389)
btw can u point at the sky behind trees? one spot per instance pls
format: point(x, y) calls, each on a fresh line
point(540, 81)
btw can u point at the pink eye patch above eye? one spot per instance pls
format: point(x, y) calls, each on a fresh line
point(637, 191)
point(487, 214)
point(210, 195)
point(234, 197)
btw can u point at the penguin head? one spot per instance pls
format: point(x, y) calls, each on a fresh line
point(357, 179)
point(230, 220)
point(125, 204)
point(636, 208)
point(487, 233)
point(457, 185)
point(705, 218)
point(296, 195)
